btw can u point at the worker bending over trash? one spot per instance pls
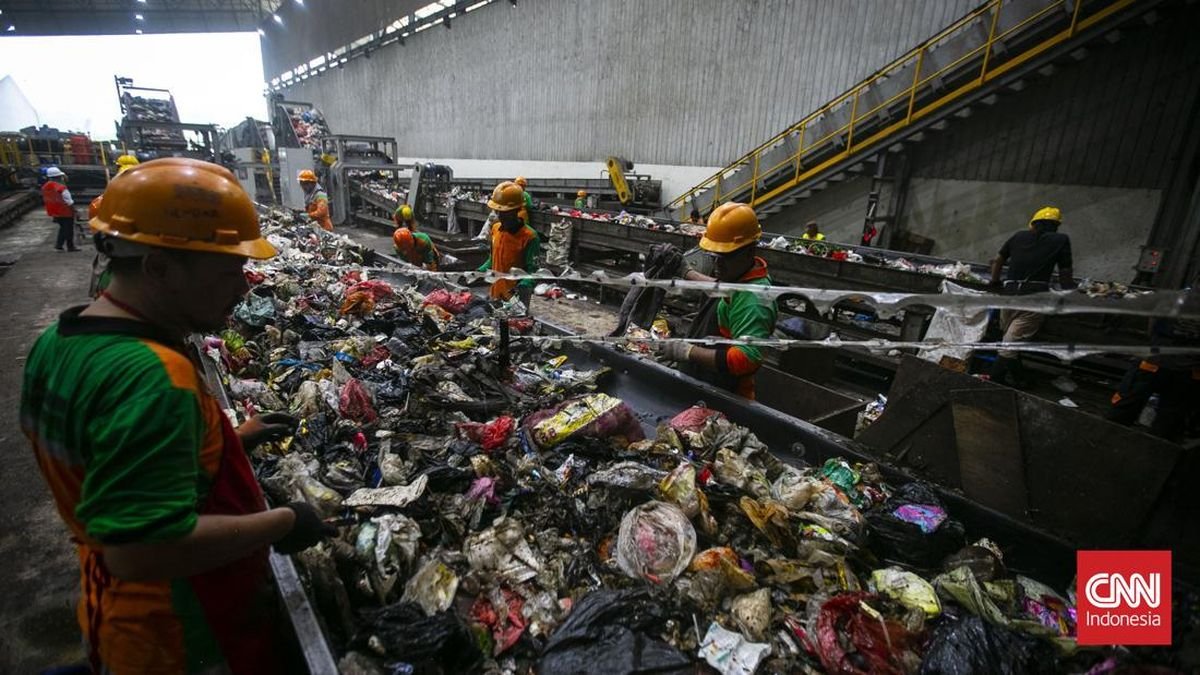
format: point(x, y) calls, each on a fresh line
point(403, 217)
point(150, 477)
point(731, 237)
point(514, 244)
point(316, 201)
point(1031, 255)
point(416, 248)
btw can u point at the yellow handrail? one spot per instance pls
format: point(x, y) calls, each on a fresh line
point(920, 78)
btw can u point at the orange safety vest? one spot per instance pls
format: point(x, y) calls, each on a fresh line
point(316, 205)
point(53, 199)
point(508, 251)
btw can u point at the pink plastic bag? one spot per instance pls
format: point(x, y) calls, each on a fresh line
point(354, 403)
point(455, 303)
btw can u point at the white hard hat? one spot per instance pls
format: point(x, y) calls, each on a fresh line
point(54, 172)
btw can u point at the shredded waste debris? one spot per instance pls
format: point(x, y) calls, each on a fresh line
point(499, 513)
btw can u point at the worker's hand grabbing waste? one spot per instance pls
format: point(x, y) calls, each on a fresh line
point(671, 350)
point(266, 428)
point(309, 530)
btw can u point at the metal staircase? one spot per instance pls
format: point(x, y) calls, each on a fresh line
point(969, 62)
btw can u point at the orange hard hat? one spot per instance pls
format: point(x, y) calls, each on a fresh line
point(94, 207)
point(581, 193)
point(307, 176)
point(508, 196)
point(520, 180)
point(402, 238)
point(184, 204)
point(730, 227)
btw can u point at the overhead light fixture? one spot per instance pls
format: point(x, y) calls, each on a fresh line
point(299, 2)
point(261, 32)
point(277, 19)
point(138, 31)
point(142, 1)
point(10, 28)
point(514, 2)
point(139, 17)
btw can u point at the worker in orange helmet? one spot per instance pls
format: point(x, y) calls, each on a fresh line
point(150, 477)
point(528, 198)
point(416, 248)
point(514, 244)
point(316, 201)
point(731, 239)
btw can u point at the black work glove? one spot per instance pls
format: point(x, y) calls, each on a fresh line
point(308, 530)
point(266, 428)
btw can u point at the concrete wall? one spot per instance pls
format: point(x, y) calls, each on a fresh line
point(674, 82)
point(1100, 138)
point(675, 179)
point(970, 220)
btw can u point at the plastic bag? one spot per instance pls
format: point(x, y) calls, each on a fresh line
point(752, 613)
point(725, 561)
point(502, 550)
point(432, 587)
point(613, 632)
point(769, 517)
point(656, 542)
point(489, 435)
point(255, 310)
point(378, 290)
point(908, 589)
point(679, 488)
point(793, 489)
point(591, 416)
point(733, 469)
point(898, 528)
point(627, 476)
point(354, 403)
point(971, 645)
point(853, 637)
point(455, 303)
point(731, 653)
point(501, 612)
point(438, 643)
point(360, 304)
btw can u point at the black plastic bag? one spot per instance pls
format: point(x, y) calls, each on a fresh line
point(972, 645)
point(612, 632)
point(897, 540)
point(441, 643)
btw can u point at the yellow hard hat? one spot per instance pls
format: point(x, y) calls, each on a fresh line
point(730, 227)
point(307, 176)
point(1047, 213)
point(406, 212)
point(127, 160)
point(508, 196)
point(581, 193)
point(520, 180)
point(185, 204)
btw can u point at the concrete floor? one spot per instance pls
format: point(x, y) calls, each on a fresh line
point(40, 585)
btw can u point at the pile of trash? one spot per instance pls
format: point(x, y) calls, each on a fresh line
point(498, 512)
point(308, 124)
point(384, 189)
point(1109, 289)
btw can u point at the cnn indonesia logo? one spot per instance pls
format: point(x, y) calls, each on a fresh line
point(1124, 597)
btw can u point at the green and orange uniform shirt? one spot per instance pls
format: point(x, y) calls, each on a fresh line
point(745, 314)
point(511, 249)
point(134, 450)
point(423, 252)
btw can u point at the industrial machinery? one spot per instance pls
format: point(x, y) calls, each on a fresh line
point(360, 176)
point(150, 125)
point(633, 190)
point(297, 124)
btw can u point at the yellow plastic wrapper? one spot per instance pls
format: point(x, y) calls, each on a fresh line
point(908, 589)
